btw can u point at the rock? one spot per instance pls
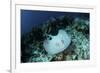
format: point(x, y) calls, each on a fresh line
point(68, 57)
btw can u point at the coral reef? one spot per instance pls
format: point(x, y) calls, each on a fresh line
point(32, 49)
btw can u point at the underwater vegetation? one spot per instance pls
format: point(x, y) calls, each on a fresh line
point(33, 50)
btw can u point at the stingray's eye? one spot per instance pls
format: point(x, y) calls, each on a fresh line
point(49, 37)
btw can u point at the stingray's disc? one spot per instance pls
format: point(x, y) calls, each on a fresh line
point(58, 43)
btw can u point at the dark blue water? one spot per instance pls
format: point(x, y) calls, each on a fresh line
point(31, 18)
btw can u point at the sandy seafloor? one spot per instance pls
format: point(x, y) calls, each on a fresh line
point(32, 49)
